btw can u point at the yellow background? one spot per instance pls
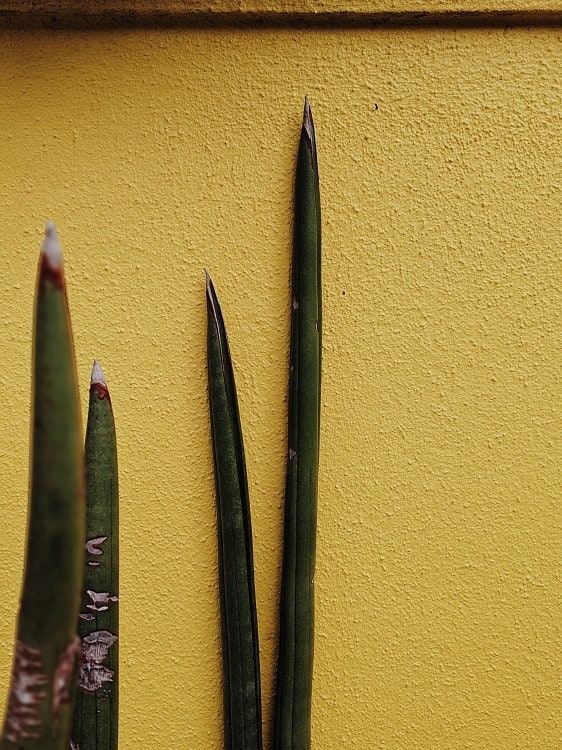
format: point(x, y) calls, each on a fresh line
point(160, 153)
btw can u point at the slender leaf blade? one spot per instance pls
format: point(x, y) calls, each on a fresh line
point(296, 632)
point(243, 730)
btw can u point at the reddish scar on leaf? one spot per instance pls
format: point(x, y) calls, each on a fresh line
point(27, 693)
point(95, 648)
point(93, 545)
point(52, 273)
point(63, 675)
point(100, 600)
point(101, 391)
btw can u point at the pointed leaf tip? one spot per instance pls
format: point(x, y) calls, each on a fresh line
point(97, 375)
point(308, 123)
point(51, 247)
point(213, 305)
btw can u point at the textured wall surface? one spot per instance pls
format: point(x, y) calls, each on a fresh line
point(161, 153)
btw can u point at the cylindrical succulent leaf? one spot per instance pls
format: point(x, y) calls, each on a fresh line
point(95, 710)
point(296, 632)
point(241, 679)
point(39, 708)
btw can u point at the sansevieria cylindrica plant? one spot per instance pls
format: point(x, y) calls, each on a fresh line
point(241, 673)
point(39, 709)
point(95, 710)
point(236, 584)
point(296, 631)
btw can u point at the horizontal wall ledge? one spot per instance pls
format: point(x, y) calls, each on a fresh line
point(305, 13)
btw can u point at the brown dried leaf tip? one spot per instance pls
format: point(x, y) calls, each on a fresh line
point(27, 692)
point(308, 125)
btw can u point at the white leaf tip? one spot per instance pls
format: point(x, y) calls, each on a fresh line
point(97, 375)
point(51, 247)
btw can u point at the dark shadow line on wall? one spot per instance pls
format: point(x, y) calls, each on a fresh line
point(130, 19)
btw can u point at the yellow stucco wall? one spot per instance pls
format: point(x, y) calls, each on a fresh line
point(160, 153)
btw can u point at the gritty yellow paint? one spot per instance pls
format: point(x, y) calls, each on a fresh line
point(162, 153)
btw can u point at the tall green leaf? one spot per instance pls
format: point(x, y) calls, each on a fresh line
point(95, 712)
point(296, 633)
point(39, 708)
point(242, 700)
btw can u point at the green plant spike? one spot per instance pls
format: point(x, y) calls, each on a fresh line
point(296, 633)
point(39, 709)
point(95, 710)
point(241, 678)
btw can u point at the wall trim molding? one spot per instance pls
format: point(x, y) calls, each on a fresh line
point(87, 14)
